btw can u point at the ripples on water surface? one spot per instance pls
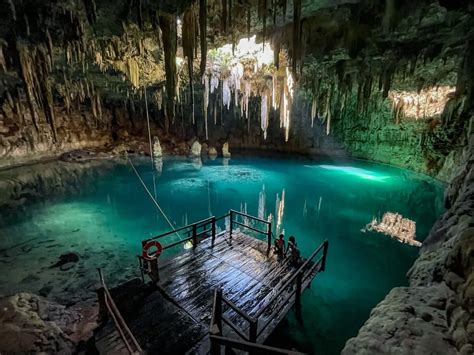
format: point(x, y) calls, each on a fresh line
point(312, 200)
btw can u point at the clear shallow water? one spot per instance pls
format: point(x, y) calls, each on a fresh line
point(313, 200)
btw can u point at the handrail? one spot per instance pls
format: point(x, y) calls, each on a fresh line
point(118, 319)
point(249, 216)
point(198, 224)
point(292, 278)
point(251, 228)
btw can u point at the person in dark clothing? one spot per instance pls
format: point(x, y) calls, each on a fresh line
point(294, 251)
point(280, 246)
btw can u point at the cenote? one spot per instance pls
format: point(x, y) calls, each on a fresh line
point(108, 213)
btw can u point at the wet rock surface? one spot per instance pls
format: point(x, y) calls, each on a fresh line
point(32, 324)
point(435, 314)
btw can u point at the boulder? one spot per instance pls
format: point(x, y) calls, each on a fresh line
point(32, 324)
point(212, 152)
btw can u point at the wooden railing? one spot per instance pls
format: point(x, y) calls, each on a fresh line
point(294, 286)
point(197, 232)
point(108, 307)
point(267, 232)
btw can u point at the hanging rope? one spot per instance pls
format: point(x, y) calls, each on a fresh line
point(152, 198)
point(148, 123)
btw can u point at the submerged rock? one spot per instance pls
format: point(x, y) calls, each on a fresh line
point(66, 258)
point(32, 324)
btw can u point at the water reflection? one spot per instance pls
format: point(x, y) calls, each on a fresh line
point(395, 226)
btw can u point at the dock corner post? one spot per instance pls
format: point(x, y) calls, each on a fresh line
point(218, 319)
point(194, 236)
point(154, 272)
point(253, 331)
point(299, 281)
point(231, 216)
point(216, 322)
point(213, 229)
point(269, 238)
point(325, 251)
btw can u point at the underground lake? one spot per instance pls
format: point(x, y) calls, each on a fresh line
point(100, 211)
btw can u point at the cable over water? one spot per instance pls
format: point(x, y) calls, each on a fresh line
point(152, 198)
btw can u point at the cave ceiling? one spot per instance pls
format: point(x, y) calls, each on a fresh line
point(80, 49)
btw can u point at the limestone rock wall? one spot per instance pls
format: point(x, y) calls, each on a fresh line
point(434, 314)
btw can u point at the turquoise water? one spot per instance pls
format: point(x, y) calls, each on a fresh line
point(313, 200)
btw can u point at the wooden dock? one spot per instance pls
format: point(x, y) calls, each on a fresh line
point(229, 290)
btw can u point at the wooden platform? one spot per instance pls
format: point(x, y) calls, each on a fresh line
point(239, 266)
point(228, 285)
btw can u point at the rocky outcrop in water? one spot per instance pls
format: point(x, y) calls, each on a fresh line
point(435, 313)
point(32, 324)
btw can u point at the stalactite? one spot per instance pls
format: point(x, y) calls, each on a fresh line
point(296, 55)
point(248, 20)
point(3, 63)
point(264, 115)
point(205, 82)
point(224, 15)
point(264, 15)
point(168, 31)
point(27, 76)
point(203, 33)
point(314, 110)
point(226, 94)
point(189, 37)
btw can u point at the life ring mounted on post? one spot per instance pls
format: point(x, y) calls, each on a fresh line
point(153, 254)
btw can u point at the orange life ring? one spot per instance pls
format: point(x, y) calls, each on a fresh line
point(153, 255)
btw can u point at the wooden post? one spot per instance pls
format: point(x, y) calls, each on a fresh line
point(154, 273)
point(213, 229)
point(218, 311)
point(194, 236)
point(215, 347)
point(216, 327)
point(231, 215)
point(325, 251)
point(298, 289)
point(253, 331)
point(269, 238)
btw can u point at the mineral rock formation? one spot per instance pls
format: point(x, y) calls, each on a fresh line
point(157, 151)
point(212, 152)
point(195, 150)
point(32, 324)
point(225, 150)
point(434, 315)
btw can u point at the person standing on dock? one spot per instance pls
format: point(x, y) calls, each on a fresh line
point(294, 251)
point(280, 246)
